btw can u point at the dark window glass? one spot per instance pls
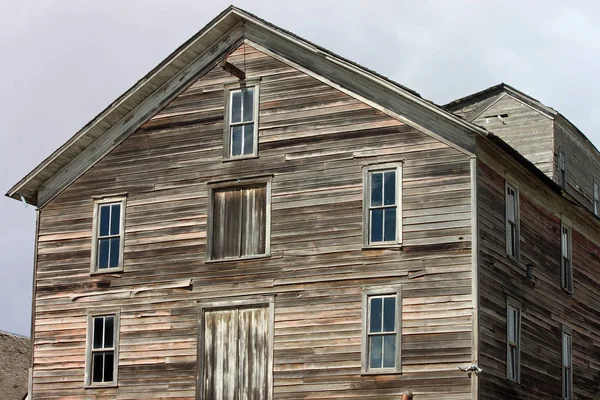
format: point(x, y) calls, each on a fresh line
point(376, 350)
point(376, 309)
point(248, 138)
point(98, 332)
point(390, 225)
point(109, 358)
point(115, 246)
point(97, 367)
point(109, 330)
point(103, 253)
point(389, 314)
point(115, 219)
point(377, 225)
point(237, 140)
point(389, 351)
point(248, 104)
point(104, 220)
point(376, 189)
point(389, 188)
point(236, 106)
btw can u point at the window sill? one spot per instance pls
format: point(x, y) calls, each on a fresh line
point(383, 246)
point(102, 386)
point(107, 271)
point(246, 258)
point(248, 157)
point(381, 372)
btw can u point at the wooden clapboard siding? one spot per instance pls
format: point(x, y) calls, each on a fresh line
point(582, 162)
point(545, 307)
point(526, 129)
point(314, 141)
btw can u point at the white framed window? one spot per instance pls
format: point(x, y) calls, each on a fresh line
point(596, 199)
point(562, 169)
point(512, 222)
point(241, 121)
point(382, 205)
point(239, 219)
point(567, 364)
point(381, 330)
point(566, 261)
point(102, 349)
point(108, 235)
point(513, 340)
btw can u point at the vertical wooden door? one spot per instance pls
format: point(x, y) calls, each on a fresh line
point(235, 354)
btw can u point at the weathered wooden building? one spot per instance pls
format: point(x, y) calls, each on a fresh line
point(259, 218)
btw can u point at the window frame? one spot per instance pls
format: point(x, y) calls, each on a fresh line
point(367, 171)
point(367, 293)
point(562, 168)
point(596, 198)
point(512, 304)
point(238, 184)
point(90, 351)
point(568, 284)
point(566, 332)
point(517, 222)
point(229, 90)
point(122, 200)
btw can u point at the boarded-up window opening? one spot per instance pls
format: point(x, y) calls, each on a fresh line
point(239, 222)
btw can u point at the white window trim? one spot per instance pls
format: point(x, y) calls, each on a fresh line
point(94, 256)
point(238, 183)
point(88, 352)
point(563, 284)
point(366, 312)
point(517, 254)
point(229, 89)
point(566, 331)
point(367, 203)
point(512, 304)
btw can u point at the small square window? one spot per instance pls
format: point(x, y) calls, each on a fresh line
point(381, 330)
point(241, 125)
point(239, 220)
point(108, 232)
point(382, 205)
point(566, 259)
point(102, 360)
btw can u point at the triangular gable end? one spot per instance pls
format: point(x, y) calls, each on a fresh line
point(200, 54)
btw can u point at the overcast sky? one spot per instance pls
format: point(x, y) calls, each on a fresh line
point(63, 61)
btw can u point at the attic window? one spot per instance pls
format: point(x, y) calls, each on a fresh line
point(108, 235)
point(241, 122)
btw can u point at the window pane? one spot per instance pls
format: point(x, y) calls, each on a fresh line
point(115, 244)
point(104, 220)
point(109, 329)
point(510, 208)
point(236, 140)
point(98, 331)
point(248, 139)
point(389, 314)
point(566, 351)
point(236, 106)
point(109, 359)
point(376, 225)
point(389, 185)
point(376, 189)
point(97, 367)
point(375, 317)
point(375, 350)
point(512, 326)
point(390, 225)
point(389, 351)
point(103, 252)
point(115, 219)
point(511, 240)
point(254, 220)
point(248, 104)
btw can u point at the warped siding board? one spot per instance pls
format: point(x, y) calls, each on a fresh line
point(314, 140)
point(545, 307)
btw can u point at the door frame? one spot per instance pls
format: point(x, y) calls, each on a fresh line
point(233, 303)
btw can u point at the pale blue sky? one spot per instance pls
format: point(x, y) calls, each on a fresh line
point(63, 61)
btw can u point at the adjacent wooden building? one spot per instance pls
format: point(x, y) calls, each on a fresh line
point(259, 218)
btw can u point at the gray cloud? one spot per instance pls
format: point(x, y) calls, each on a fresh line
point(64, 61)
